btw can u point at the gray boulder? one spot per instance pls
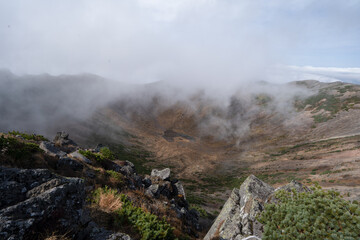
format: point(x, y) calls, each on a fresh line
point(50, 149)
point(43, 198)
point(237, 219)
point(79, 156)
point(162, 174)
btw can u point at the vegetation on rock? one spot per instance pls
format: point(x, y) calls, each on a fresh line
point(27, 136)
point(16, 149)
point(318, 214)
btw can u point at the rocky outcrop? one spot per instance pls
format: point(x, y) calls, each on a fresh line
point(34, 198)
point(237, 220)
point(160, 185)
point(62, 141)
point(162, 174)
point(50, 149)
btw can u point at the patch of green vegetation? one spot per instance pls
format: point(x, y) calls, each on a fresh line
point(16, 149)
point(325, 172)
point(116, 175)
point(348, 88)
point(323, 101)
point(93, 156)
point(215, 183)
point(195, 199)
point(107, 154)
point(311, 215)
point(203, 213)
point(262, 100)
point(27, 136)
point(148, 225)
point(320, 118)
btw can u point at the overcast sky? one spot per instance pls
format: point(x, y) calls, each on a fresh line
point(207, 40)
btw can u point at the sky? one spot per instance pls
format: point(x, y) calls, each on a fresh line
point(202, 41)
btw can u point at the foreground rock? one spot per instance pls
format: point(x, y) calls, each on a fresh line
point(35, 200)
point(160, 185)
point(50, 149)
point(237, 219)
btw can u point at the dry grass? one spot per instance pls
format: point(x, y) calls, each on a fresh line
point(57, 236)
point(109, 202)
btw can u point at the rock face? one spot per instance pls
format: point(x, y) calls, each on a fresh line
point(33, 198)
point(50, 149)
point(237, 220)
point(160, 185)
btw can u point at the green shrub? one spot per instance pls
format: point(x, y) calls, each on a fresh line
point(318, 214)
point(116, 175)
point(16, 149)
point(105, 154)
point(29, 136)
point(149, 226)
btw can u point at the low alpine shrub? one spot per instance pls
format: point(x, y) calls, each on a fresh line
point(319, 214)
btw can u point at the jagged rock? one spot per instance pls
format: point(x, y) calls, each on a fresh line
point(43, 198)
point(162, 174)
point(179, 189)
point(50, 149)
point(237, 218)
point(71, 163)
point(80, 157)
point(153, 190)
point(62, 139)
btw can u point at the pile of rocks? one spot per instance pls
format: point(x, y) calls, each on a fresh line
point(159, 183)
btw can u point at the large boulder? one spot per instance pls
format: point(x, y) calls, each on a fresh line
point(50, 149)
point(34, 199)
point(162, 174)
point(237, 219)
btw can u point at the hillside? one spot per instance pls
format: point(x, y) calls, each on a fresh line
point(306, 131)
point(316, 140)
